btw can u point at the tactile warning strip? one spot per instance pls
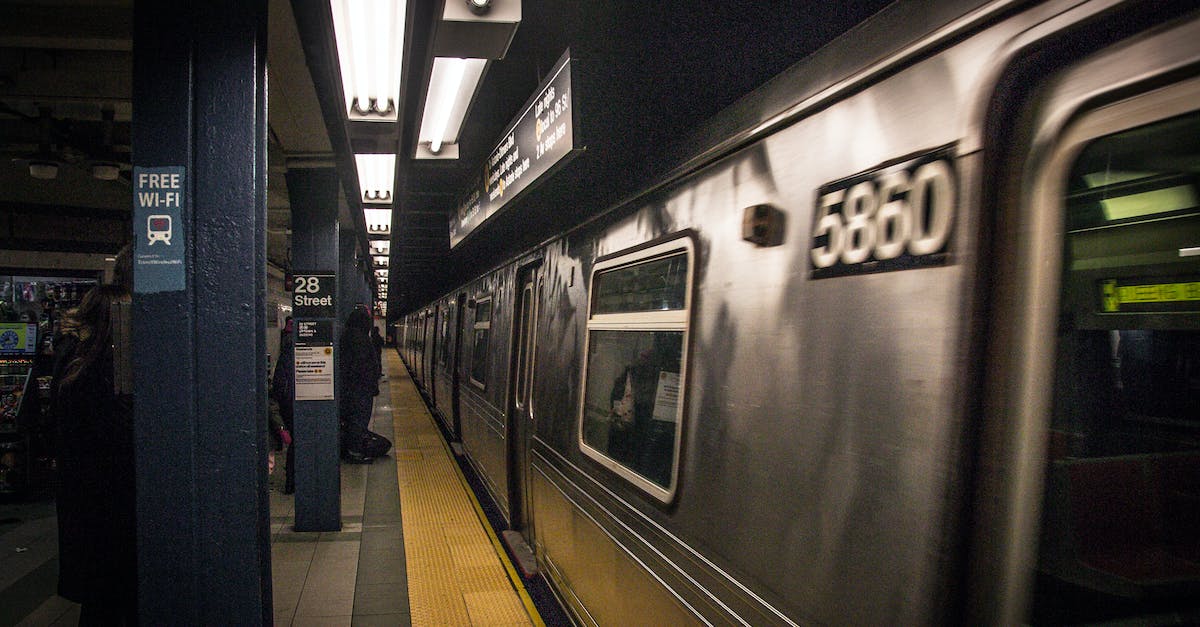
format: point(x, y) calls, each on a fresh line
point(457, 573)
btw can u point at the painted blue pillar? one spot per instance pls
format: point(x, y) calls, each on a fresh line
point(199, 326)
point(351, 289)
point(314, 203)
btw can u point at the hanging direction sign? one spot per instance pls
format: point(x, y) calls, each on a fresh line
point(539, 139)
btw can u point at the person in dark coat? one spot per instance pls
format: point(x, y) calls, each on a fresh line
point(97, 529)
point(377, 340)
point(284, 392)
point(358, 383)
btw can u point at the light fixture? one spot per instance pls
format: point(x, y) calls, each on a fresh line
point(105, 171)
point(452, 85)
point(479, 7)
point(370, 46)
point(379, 221)
point(381, 261)
point(44, 170)
point(376, 174)
point(380, 246)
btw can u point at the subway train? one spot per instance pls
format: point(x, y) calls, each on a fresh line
point(909, 335)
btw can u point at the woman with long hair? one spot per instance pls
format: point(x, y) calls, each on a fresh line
point(96, 523)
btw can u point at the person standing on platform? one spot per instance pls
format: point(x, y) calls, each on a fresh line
point(283, 391)
point(377, 340)
point(97, 528)
point(358, 383)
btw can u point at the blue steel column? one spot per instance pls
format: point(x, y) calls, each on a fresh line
point(200, 386)
point(351, 283)
point(314, 202)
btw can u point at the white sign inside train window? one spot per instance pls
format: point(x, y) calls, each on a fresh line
point(898, 216)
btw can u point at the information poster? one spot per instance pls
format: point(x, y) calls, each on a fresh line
point(18, 338)
point(160, 247)
point(666, 397)
point(313, 360)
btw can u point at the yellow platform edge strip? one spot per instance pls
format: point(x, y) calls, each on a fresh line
point(514, 579)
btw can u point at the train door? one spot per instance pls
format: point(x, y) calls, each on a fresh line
point(457, 319)
point(431, 356)
point(1090, 460)
point(520, 414)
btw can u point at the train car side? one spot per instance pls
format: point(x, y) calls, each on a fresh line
point(779, 427)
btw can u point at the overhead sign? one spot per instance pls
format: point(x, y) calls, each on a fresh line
point(313, 360)
point(313, 295)
point(536, 141)
point(159, 194)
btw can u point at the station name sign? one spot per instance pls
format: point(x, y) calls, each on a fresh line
point(539, 139)
point(313, 295)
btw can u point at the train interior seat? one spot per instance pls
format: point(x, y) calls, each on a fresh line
point(1129, 524)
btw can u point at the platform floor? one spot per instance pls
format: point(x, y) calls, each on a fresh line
point(415, 547)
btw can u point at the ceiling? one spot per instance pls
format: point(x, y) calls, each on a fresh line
point(650, 71)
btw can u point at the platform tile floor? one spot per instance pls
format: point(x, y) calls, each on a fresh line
point(356, 576)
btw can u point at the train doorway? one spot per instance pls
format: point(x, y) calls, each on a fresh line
point(521, 421)
point(1092, 435)
point(454, 349)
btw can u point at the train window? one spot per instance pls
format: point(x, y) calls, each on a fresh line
point(660, 284)
point(479, 341)
point(1121, 517)
point(445, 333)
point(634, 377)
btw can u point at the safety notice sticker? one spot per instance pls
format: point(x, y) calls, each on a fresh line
point(313, 360)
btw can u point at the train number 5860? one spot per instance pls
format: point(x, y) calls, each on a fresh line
point(893, 218)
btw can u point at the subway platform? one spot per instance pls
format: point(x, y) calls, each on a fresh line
point(415, 547)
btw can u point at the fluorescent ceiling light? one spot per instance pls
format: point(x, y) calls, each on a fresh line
point(106, 171)
point(380, 247)
point(382, 274)
point(381, 261)
point(379, 221)
point(451, 86)
point(376, 173)
point(370, 45)
point(44, 170)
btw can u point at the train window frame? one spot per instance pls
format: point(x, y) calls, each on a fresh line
point(1020, 387)
point(478, 325)
point(444, 334)
point(671, 320)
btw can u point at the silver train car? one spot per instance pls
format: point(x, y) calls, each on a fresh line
point(910, 336)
